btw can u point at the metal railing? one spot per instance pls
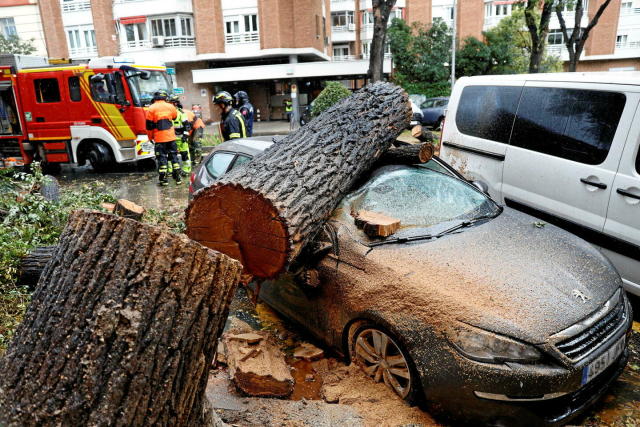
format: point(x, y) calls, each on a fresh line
point(238, 38)
point(556, 49)
point(627, 45)
point(179, 41)
point(75, 6)
point(345, 58)
point(83, 51)
point(343, 28)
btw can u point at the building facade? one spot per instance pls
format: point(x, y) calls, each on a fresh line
point(279, 49)
point(22, 18)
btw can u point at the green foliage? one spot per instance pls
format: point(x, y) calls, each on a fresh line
point(13, 44)
point(331, 94)
point(421, 56)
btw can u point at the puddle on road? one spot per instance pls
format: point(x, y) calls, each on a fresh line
point(308, 383)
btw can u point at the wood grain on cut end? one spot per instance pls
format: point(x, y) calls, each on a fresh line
point(242, 224)
point(375, 224)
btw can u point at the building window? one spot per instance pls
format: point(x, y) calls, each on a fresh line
point(503, 10)
point(136, 34)
point(8, 27)
point(241, 29)
point(82, 41)
point(555, 37)
point(342, 21)
point(176, 31)
point(47, 90)
point(368, 18)
point(340, 52)
point(626, 7)
point(366, 49)
point(448, 14)
point(621, 40)
point(488, 9)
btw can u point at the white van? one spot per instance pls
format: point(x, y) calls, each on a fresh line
point(562, 147)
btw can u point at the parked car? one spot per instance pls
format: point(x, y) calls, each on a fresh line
point(433, 110)
point(479, 309)
point(563, 147)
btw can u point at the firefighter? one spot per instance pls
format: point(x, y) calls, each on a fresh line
point(195, 137)
point(160, 117)
point(182, 126)
point(288, 109)
point(246, 109)
point(233, 125)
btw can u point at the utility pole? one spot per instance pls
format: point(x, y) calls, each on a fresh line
point(453, 47)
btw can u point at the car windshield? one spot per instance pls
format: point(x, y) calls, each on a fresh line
point(143, 90)
point(420, 197)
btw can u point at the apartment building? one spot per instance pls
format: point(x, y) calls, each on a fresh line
point(22, 18)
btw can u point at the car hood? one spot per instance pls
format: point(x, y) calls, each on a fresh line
point(511, 275)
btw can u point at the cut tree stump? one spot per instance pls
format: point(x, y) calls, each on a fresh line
point(265, 213)
point(121, 330)
point(128, 209)
point(375, 224)
point(257, 366)
point(32, 265)
point(407, 155)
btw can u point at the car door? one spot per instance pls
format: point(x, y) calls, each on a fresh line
point(477, 129)
point(623, 215)
point(48, 118)
point(564, 150)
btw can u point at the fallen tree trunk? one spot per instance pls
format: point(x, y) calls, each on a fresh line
point(32, 265)
point(265, 213)
point(128, 209)
point(118, 332)
point(406, 155)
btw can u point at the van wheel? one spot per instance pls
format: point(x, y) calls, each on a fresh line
point(383, 359)
point(100, 157)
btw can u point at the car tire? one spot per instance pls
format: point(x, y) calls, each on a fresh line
point(438, 125)
point(390, 364)
point(99, 157)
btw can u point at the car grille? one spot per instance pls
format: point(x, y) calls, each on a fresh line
point(583, 343)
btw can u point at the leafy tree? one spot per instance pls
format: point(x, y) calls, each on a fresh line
point(381, 12)
point(14, 45)
point(331, 94)
point(421, 56)
point(576, 41)
point(538, 24)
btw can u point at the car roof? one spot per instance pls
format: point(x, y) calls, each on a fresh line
point(621, 77)
point(251, 146)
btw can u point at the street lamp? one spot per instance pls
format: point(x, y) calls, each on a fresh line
point(453, 47)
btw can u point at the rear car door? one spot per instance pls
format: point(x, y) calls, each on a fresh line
point(477, 129)
point(623, 216)
point(565, 149)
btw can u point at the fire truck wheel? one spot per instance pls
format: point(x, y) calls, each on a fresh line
point(100, 157)
point(50, 189)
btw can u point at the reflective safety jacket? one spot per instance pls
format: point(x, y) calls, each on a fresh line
point(160, 117)
point(233, 125)
point(181, 124)
point(246, 110)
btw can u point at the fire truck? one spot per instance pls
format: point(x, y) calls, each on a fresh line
point(60, 114)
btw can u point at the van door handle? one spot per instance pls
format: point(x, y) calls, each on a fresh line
point(595, 184)
point(626, 193)
point(39, 119)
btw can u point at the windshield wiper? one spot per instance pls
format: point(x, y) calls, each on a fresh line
point(463, 224)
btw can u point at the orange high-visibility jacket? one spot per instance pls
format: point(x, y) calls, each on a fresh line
point(160, 117)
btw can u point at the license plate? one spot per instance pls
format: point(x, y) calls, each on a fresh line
point(147, 146)
point(605, 360)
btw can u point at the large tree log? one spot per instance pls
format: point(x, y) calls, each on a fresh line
point(32, 265)
point(121, 330)
point(263, 214)
point(407, 155)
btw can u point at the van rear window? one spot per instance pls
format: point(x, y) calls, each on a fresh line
point(573, 124)
point(488, 111)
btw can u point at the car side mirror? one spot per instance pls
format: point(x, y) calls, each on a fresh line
point(481, 185)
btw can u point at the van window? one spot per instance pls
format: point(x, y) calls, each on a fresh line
point(47, 90)
point(74, 89)
point(573, 124)
point(488, 111)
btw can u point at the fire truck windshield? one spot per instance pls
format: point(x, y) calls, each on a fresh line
point(142, 90)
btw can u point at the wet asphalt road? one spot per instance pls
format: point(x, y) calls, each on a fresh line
point(620, 407)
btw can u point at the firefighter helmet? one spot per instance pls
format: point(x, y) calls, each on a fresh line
point(241, 96)
point(222, 97)
point(161, 94)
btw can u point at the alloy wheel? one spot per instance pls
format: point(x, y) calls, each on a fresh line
point(381, 359)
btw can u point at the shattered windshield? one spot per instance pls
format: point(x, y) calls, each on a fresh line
point(419, 197)
point(143, 90)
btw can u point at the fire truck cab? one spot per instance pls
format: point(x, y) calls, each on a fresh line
point(76, 113)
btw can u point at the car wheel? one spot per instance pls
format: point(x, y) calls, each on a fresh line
point(438, 125)
point(100, 157)
point(383, 359)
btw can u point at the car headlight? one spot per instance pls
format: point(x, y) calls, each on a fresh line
point(485, 346)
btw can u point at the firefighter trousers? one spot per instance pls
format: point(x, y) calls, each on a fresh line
point(183, 150)
point(167, 154)
point(195, 145)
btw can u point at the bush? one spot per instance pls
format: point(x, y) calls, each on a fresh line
point(331, 94)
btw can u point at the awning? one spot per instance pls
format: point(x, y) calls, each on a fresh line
point(133, 20)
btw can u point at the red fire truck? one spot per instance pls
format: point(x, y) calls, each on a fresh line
point(76, 113)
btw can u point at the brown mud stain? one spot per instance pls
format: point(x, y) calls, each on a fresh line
point(308, 383)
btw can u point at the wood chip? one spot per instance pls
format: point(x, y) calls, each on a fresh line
point(375, 224)
point(308, 352)
point(250, 337)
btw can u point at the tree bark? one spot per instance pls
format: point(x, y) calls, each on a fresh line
point(381, 12)
point(407, 155)
point(538, 31)
point(122, 329)
point(32, 265)
point(264, 214)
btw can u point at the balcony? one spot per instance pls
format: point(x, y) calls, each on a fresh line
point(343, 33)
point(125, 8)
point(83, 52)
point(345, 58)
point(167, 42)
point(627, 45)
point(342, 5)
point(240, 38)
point(76, 5)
